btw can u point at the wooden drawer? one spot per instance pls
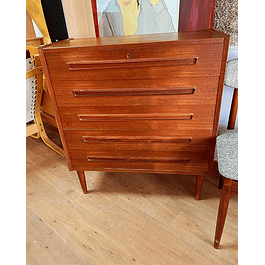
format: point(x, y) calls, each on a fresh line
point(138, 92)
point(157, 143)
point(139, 118)
point(128, 61)
point(190, 163)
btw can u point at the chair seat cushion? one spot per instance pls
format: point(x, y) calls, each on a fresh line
point(227, 154)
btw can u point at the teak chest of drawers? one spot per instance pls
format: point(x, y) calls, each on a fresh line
point(146, 103)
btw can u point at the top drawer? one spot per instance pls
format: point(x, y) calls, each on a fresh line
point(130, 61)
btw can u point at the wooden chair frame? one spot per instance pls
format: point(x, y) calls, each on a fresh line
point(32, 45)
point(37, 127)
point(228, 186)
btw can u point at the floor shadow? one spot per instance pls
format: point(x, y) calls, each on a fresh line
point(155, 184)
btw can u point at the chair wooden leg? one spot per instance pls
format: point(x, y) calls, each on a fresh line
point(82, 179)
point(198, 187)
point(223, 206)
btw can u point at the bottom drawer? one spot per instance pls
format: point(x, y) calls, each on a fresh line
point(180, 163)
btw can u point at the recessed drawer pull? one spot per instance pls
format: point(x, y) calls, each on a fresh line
point(133, 92)
point(138, 159)
point(149, 116)
point(154, 139)
point(141, 62)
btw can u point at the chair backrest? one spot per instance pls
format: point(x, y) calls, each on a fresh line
point(231, 75)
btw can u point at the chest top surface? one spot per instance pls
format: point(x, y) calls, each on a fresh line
point(195, 37)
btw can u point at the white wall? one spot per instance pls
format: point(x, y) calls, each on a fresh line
point(37, 31)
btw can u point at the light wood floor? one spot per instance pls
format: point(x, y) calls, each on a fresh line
point(126, 218)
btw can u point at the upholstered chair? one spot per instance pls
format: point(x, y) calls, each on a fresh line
point(227, 151)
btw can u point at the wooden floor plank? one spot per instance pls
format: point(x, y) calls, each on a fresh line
point(45, 246)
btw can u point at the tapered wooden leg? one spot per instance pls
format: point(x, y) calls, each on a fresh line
point(82, 179)
point(198, 188)
point(223, 206)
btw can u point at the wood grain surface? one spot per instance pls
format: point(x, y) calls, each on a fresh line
point(152, 92)
point(196, 37)
point(123, 85)
point(154, 61)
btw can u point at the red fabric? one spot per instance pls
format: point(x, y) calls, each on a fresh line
point(196, 14)
point(95, 16)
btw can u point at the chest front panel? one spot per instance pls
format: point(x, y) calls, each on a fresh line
point(138, 106)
